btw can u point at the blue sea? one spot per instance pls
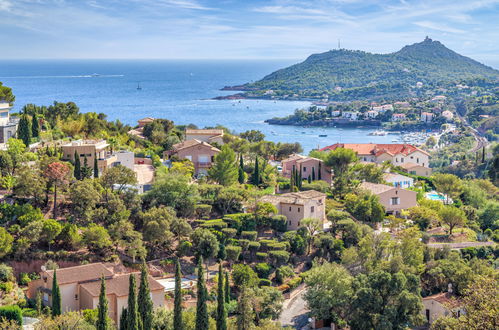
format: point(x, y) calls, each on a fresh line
point(181, 91)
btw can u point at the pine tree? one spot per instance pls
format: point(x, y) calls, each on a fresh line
point(123, 319)
point(96, 166)
point(313, 173)
point(77, 164)
point(256, 174)
point(177, 308)
point(221, 312)
point(319, 172)
point(35, 126)
point(227, 288)
point(201, 308)
point(24, 130)
point(132, 317)
point(56, 296)
point(222, 253)
point(102, 308)
point(86, 171)
point(145, 304)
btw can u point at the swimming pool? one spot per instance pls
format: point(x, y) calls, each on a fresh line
point(435, 196)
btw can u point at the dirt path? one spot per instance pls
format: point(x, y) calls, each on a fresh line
point(295, 312)
point(460, 245)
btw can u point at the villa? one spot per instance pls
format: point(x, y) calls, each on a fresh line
point(200, 153)
point(398, 180)
point(426, 117)
point(447, 115)
point(394, 199)
point(205, 135)
point(296, 206)
point(398, 117)
point(416, 169)
point(309, 166)
point(80, 288)
point(441, 304)
point(89, 149)
point(8, 124)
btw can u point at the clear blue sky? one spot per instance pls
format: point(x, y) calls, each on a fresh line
point(241, 28)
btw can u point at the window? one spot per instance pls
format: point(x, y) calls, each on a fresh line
point(417, 160)
point(76, 297)
point(188, 157)
point(299, 210)
point(396, 160)
point(401, 160)
point(312, 209)
point(304, 169)
point(395, 201)
point(290, 209)
point(413, 172)
point(82, 155)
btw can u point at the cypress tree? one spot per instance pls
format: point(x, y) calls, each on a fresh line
point(319, 172)
point(244, 310)
point(221, 312)
point(227, 288)
point(35, 126)
point(309, 179)
point(256, 173)
point(177, 308)
point(102, 308)
point(123, 319)
point(300, 179)
point(24, 130)
point(56, 297)
point(292, 181)
point(145, 304)
point(240, 177)
point(96, 166)
point(132, 317)
point(77, 169)
point(483, 154)
point(201, 308)
point(313, 173)
point(86, 171)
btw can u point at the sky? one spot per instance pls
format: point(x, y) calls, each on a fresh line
point(241, 29)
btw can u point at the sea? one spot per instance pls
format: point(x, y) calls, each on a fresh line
point(178, 90)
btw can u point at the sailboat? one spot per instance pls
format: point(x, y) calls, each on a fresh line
point(138, 87)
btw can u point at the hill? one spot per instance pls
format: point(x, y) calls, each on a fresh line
point(347, 74)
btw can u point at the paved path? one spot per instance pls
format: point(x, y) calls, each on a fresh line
point(459, 245)
point(294, 312)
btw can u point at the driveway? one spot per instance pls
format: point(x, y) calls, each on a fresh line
point(294, 312)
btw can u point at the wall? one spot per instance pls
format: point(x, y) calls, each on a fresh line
point(407, 199)
point(294, 216)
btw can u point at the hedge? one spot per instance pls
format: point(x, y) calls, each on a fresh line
point(251, 235)
point(12, 312)
point(264, 282)
point(254, 246)
point(279, 256)
point(229, 232)
point(217, 224)
point(263, 270)
point(294, 282)
point(233, 252)
point(261, 255)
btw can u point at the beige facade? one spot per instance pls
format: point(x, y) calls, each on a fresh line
point(297, 206)
point(439, 305)
point(416, 169)
point(80, 288)
point(394, 199)
point(88, 149)
point(205, 135)
point(200, 153)
point(308, 166)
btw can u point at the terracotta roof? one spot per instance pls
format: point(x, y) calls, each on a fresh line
point(394, 176)
point(376, 188)
point(204, 131)
point(294, 197)
point(118, 285)
point(409, 165)
point(445, 298)
point(148, 119)
point(192, 143)
point(376, 148)
point(293, 157)
point(80, 273)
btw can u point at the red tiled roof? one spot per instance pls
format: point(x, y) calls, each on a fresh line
point(445, 298)
point(119, 285)
point(80, 273)
point(192, 143)
point(376, 148)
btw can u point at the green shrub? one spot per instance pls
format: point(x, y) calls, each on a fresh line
point(254, 246)
point(250, 235)
point(13, 312)
point(278, 246)
point(282, 273)
point(294, 282)
point(6, 287)
point(279, 223)
point(319, 185)
point(279, 256)
point(203, 210)
point(266, 242)
point(6, 273)
point(233, 222)
point(24, 279)
point(233, 252)
point(263, 270)
point(216, 224)
point(241, 221)
point(264, 282)
point(262, 256)
point(29, 312)
point(229, 232)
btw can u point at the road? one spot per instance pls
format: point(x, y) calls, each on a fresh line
point(294, 312)
point(460, 245)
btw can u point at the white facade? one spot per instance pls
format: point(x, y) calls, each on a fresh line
point(398, 180)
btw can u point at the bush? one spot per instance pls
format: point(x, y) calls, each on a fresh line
point(250, 235)
point(233, 252)
point(243, 221)
point(283, 288)
point(263, 270)
point(318, 185)
point(233, 222)
point(203, 210)
point(282, 273)
point(29, 312)
point(279, 223)
point(279, 257)
point(262, 256)
point(6, 287)
point(216, 224)
point(6, 273)
point(253, 246)
point(294, 282)
point(24, 279)
point(229, 232)
point(12, 313)
point(264, 282)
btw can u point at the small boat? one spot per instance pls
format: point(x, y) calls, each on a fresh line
point(322, 135)
point(94, 75)
point(138, 87)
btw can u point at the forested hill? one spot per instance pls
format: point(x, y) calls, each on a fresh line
point(359, 73)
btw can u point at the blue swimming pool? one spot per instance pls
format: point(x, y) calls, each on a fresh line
point(435, 196)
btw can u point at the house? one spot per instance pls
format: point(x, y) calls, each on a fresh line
point(296, 206)
point(403, 105)
point(447, 115)
point(144, 121)
point(398, 180)
point(416, 169)
point(122, 157)
point(138, 132)
point(372, 114)
point(335, 113)
point(398, 117)
point(441, 304)
point(396, 154)
point(426, 117)
point(200, 153)
point(386, 107)
point(80, 288)
point(88, 149)
point(8, 124)
point(352, 115)
point(439, 98)
point(309, 166)
point(205, 135)
point(394, 199)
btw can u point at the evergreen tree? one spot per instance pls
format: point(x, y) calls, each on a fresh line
point(319, 172)
point(145, 304)
point(96, 166)
point(292, 181)
point(256, 174)
point(24, 130)
point(221, 312)
point(123, 319)
point(35, 126)
point(202, 319)
point(86, 171)
point(227, 288)
point(245, 314)
point(222, 253)
point(309, 179)
point(39, 304)
point(225, 170)
point(56, 297)
point(132, 317)
point(313, 173)
point(102, 308)
point(240, 177)
point(177, 308)
point(77, 168)
point(483, 154)
point(300, 179)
